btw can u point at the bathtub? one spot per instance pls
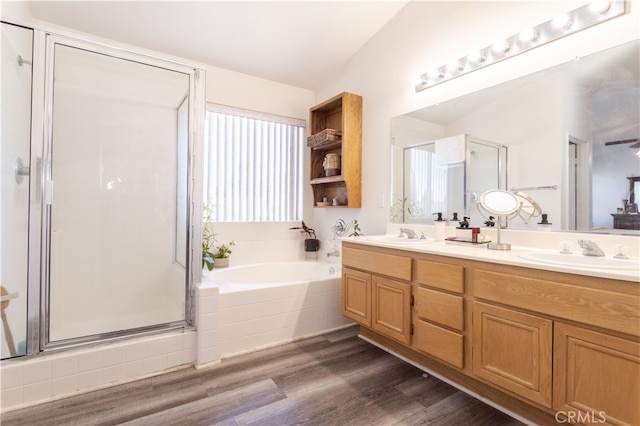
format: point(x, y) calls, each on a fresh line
point(265, 304)
point(273, 274)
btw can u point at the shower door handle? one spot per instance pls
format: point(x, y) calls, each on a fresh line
point(20, 170)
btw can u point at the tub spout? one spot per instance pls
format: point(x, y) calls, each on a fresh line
point(335, 253)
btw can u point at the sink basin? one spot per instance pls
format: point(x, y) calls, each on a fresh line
point(580, 261)
point(395, 239)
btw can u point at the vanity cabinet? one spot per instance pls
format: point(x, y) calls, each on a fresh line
point(340, 115)
point(596, 375)
point(513, 350)
point(439, 311)
point(374, 296)
point(542, 344)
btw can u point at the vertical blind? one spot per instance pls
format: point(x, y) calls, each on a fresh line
point(428, 183)
point(253, 165)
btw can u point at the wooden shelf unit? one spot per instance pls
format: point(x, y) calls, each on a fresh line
point(342, 112)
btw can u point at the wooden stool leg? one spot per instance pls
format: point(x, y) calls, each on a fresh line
point(7, 330)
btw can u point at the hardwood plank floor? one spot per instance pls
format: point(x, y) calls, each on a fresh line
point(333, 379)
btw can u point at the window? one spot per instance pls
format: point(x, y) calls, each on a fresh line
point(253, 165)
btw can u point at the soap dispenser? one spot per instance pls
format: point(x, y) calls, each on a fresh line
point(544, 224)
point(439, 225)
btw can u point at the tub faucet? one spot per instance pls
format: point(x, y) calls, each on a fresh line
point(335, 253)
point(589, 248)
point(410, 233)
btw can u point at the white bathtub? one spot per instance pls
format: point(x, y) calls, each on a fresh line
point(264, 304)
point(273, 274)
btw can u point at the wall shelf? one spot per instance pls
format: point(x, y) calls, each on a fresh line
point(344, 113)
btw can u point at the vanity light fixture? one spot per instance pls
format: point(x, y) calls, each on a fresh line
point(562, 25)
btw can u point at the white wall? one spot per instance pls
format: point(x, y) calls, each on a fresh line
point(427, 34)
point(256, 242)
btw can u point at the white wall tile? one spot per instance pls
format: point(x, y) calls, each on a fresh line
point(12, 376)
point(36, 391)
point(37, 372)
point(89, 361)
point(64, 366)
point(89, 379)
point(114, 373)
point(113, 356)
point(11, 396)
point(64, 384)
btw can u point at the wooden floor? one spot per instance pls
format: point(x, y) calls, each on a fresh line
point(334, 379)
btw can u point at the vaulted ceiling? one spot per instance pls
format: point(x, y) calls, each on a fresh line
point(300, 43)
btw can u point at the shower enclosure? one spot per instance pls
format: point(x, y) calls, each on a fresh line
point(448, 175)
point(107, 214)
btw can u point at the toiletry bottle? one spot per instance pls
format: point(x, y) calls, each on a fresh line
point(474, 234)
point(439, 225)
point(544, 224)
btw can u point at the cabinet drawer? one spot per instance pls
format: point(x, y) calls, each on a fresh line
point(440, 343)
point(440, 275)
point(436, 306)
point(390, 265)
point(606, 309)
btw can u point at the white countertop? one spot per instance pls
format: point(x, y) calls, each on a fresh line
point(504, 257)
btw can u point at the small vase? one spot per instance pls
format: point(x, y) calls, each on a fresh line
point(220, 262)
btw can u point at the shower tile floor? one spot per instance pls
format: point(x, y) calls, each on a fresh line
point(332, 379)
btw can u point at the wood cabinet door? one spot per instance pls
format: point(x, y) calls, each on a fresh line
point(356, 296)
point(596, 376)
point(391, 305)
point(513, 350)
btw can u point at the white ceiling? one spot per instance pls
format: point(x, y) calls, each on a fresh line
point(300, 43)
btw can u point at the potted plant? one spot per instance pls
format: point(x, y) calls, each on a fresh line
point(208, 238)
point(311, 243)
point(221, 255)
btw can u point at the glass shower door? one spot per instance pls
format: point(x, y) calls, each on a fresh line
point(117, 193)
point(17, 46)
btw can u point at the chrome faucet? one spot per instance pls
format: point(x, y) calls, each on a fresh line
point(335, 253)
point(410, 233)
point(589, 248)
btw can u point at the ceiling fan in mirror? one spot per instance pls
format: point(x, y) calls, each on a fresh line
point(635, 142)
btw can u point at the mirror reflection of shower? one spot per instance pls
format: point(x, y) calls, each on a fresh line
point(447, 175)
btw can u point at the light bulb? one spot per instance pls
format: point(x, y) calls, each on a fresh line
point(529, 35)
point(501, 46)
point(435, 74)
point(599, 6)
point(476, 56)
point(455, 65)
point(562, 21)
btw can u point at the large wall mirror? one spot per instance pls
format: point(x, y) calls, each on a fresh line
point(572, 133)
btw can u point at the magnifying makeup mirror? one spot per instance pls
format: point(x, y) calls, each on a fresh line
point(507, 205)
point(500, 203)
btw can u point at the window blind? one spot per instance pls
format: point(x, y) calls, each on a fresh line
point(253, 165)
